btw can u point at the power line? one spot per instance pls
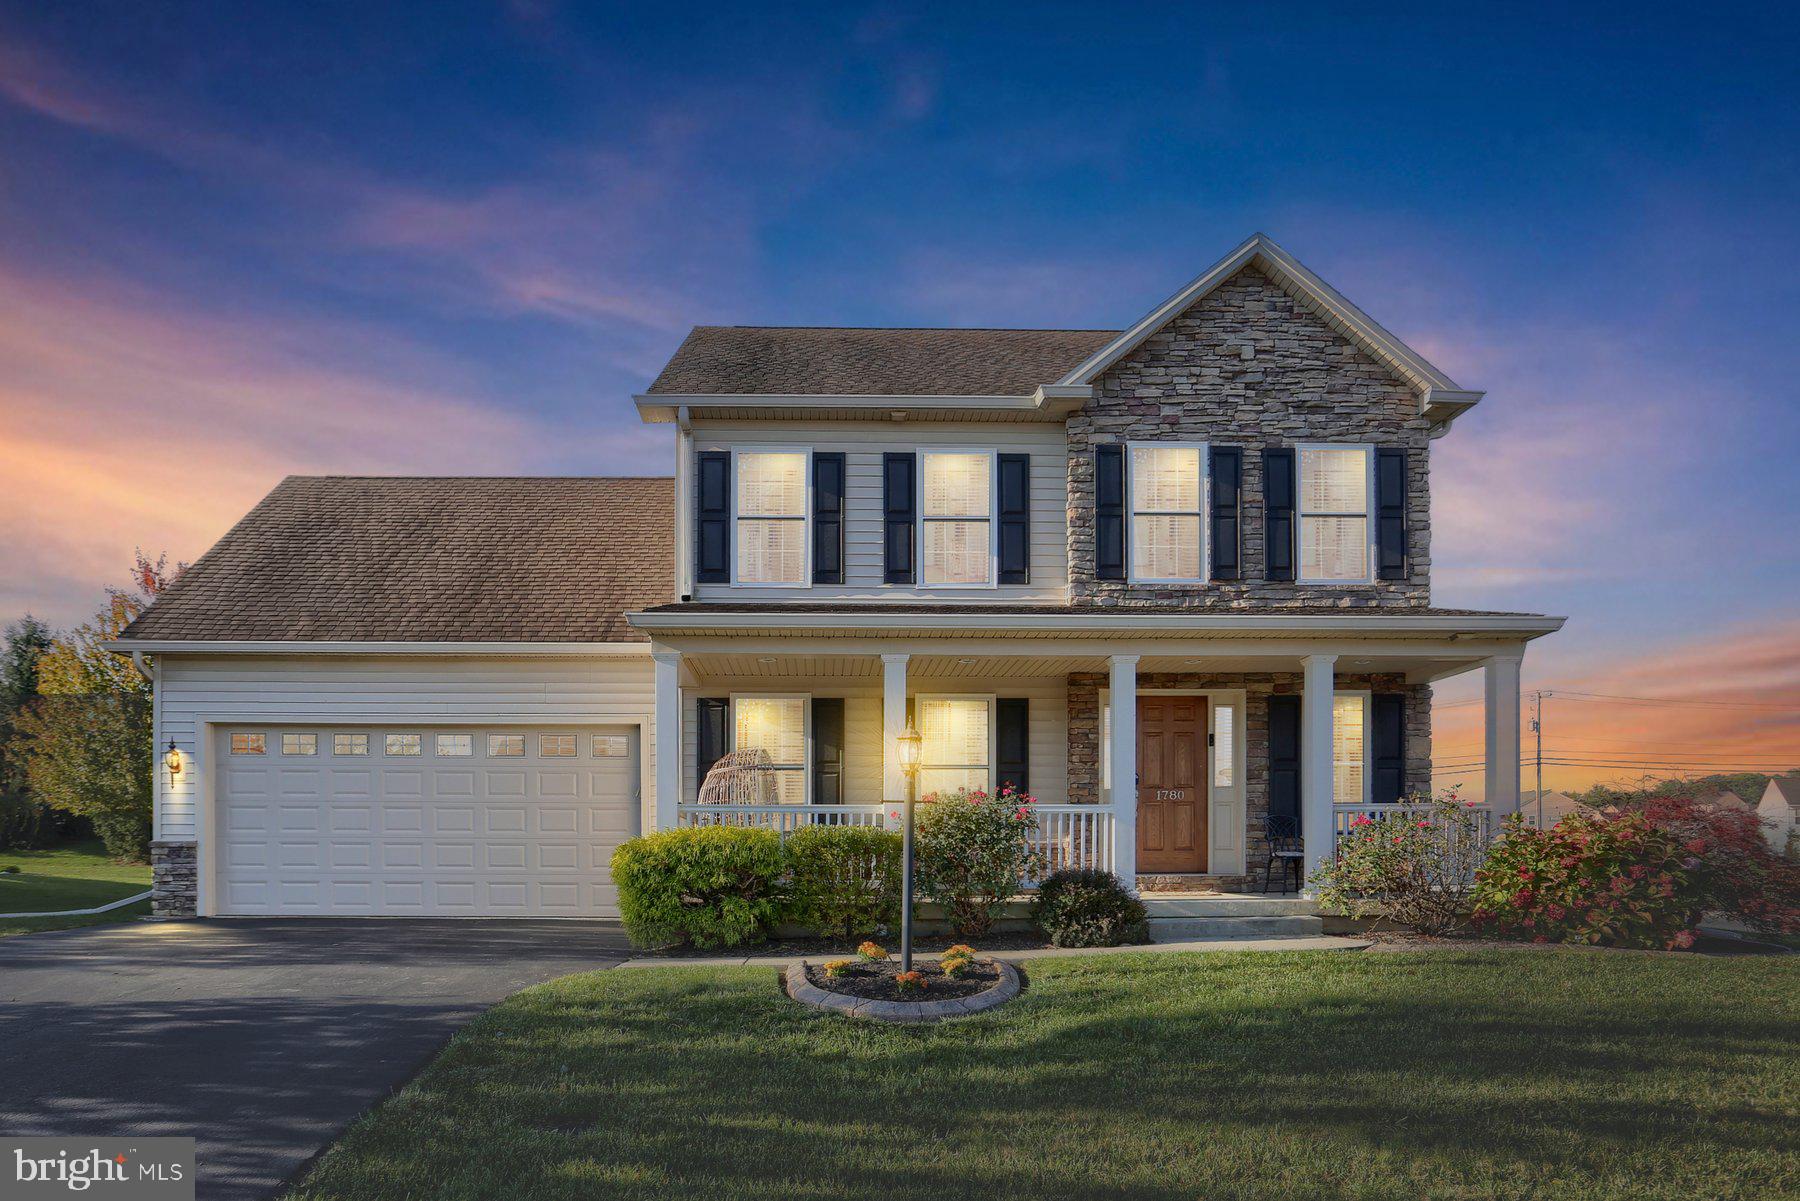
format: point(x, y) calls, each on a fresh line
point(1664, 700)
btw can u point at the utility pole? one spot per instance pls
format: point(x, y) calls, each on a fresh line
point(1537, 728)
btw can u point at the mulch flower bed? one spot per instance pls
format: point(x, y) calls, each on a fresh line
point(875, 980)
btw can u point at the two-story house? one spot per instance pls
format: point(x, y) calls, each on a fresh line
point(1172, 580)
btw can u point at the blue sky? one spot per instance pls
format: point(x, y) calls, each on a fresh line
point(239, 241)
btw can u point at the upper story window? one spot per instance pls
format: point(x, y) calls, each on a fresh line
point(956, 743)
point(1334, 487)
point(771, 518)
point(774, 728)
point(1168, 510)
point(957, 519)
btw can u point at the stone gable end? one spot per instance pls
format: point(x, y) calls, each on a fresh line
point(1249, 366)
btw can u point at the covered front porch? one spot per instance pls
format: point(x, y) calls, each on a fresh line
point(1235, 732)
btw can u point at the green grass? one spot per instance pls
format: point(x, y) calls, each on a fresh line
point(1443, 1074)
point(74, 876)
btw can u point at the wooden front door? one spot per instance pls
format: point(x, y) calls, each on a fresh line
point(1171, 821)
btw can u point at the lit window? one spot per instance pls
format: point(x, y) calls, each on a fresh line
point(1167, 501)
point(956, 741)
point(455, 746)
point(610, 746)
point(248, 744)
point(349, 744)
point(299, 744)
point(771, 518)
point(1334, 513)
point(1348, 743)
point(404, 744)
point(506, 746)
point(957, 511)
point(556, 746)
point(1224, 745)
point(773, 727)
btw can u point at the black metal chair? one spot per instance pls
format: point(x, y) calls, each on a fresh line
point(1282, 836)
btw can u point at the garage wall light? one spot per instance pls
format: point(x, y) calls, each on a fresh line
point(172, 761)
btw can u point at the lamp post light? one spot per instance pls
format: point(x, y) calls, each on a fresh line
point(909, 746)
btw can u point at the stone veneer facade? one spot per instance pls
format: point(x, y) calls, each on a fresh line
point(1084, 739)
point(1249, 366)
point(174, 875)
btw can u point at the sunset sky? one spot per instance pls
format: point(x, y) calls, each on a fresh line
point(242, 241)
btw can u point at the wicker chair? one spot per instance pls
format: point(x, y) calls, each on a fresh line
point(1281, 834)
point(741, 778)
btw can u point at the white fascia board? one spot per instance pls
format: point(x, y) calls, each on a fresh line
point(662, 408)
point(1261, 250)
point(1090, 625)
point(299, 647)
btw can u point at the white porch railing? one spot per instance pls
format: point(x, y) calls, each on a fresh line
point(1068, 836)
point(1343, 815)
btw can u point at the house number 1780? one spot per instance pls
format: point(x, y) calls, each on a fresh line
point(1171, 794)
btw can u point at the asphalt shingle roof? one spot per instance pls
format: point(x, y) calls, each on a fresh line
point(760, 360)
point(397, 559)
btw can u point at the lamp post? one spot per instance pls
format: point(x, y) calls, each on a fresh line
point(909, 744)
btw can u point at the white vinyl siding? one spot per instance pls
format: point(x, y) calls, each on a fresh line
point(1335, 487)
point(773, 498)
point(1168, 512)
point(862, 445)
point(956, 519)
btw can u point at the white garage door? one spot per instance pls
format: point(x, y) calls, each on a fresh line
point(420, 820)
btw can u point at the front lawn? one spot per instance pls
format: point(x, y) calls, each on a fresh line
point(1477, 1074)
point(76, 876)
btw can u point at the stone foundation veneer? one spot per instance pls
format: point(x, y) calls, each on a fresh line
point(1084, 739)
point(174, 870)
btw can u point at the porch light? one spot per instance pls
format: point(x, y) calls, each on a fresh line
point(910, 745)
point(172, 761)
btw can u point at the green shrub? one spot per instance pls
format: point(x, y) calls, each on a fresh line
point(846, 879)
point(709, 886)
point(973, 851)
point(1413, 867)
point(1083, 908)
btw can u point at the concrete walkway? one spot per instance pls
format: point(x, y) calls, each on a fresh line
point(1321, 942)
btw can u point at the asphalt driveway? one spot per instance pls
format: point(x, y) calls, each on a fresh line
point(262, 1039)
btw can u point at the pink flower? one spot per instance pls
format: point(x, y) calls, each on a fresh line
point(1424, 825)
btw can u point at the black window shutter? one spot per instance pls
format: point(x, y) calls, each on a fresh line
point(1012, 742)
point(712, 519)
point(1227, 476)
point(709, 735)
point(1015, 519)
point(828, 750)
point(1278, 512)
point(1387, 784)
point(1390, 514)
point(828, 518)
point(899, 508)
point(1109, 512)
point(1284, 756)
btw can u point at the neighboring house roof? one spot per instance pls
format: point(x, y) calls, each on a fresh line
point(763, 360)
point(1783, 789)
point(1728, 800)
point(360, 558)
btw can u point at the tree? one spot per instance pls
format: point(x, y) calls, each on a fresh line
point(24, 820)
point(87, 737)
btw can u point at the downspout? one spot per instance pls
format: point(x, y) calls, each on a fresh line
point(148, 671)
point(684, 560)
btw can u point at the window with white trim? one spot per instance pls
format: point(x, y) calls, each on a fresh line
point(773, 730)
point(1349, 747)
point(1334, 514)
point(771, 518)
point(349, 744)
point(1168, 513)
point(506, 746)
point(299, 744)
point(455, 746)
point(956, 516)
point(248, 744)
point(404, 744)
point(956, 742)
point(1224, 719)
point(556, 746)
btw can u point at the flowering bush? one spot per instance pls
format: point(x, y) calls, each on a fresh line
point(1608, 879)
point(961, 950)
point(955, 966)
point(837, 968)
point(1412, 867)
point(909, 982)
point(1738, 874)
point(974, 851)
point(1082, 908)
point(872, 952)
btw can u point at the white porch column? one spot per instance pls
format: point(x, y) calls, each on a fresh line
point(1501, 710)
point(1317, 772)
point(893, 724)
point(668, 737)
point(1124, 768)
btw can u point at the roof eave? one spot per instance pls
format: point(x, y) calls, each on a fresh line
point(1051, 401)
point(1525, 626)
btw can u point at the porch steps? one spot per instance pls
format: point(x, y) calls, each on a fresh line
point(1177, 917)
